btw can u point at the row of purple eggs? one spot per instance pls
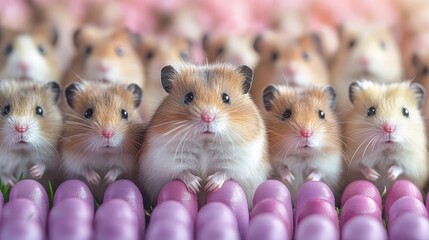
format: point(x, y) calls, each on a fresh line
point(224, 216)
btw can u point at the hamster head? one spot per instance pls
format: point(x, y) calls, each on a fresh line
point(208, 102)
point(103, 116)
point(29, 55)
point(301, 121)
point(386, 115)
point(108, 55)
point(30, 118)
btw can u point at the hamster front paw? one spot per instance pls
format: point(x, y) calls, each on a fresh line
point(313, 176)
point(37, 171)
point(394, 172)
point(6, 179)
point(191, 181)
point(92, 176)
point(216, 180)
point(370, 173)
point(286, 175)
point(112, 175)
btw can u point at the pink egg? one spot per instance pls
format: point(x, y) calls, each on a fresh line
point(22, 230)
point(1, 203)
point(232, 195)
point(71, 208)
point(276, 208)
point(313, 190)
point(363, 227)
point(167, 229)
point(404, 205)
point(217, 230)
point(276, 190)
point(116, 209)
point(34, 191)
point(317, 207)
point(409, 226)
point(360, 205)
point(128, 191)
point(316, 227)
point(22, 210)
point(74, 189)
point(267, 227)
point(427, 201)
point(176, 190)
point(215, 211)
point(70, 229)
point(362, 187)
point(172, 210)
point(401, 188)
point(111, 229)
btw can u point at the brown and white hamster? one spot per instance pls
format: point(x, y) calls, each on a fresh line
point(29, 55)
point(205, 132)
point(303, 135)
point(31, 125)
point(384, 133)
point(368, 51)
point(299, 63)
point(103, 132)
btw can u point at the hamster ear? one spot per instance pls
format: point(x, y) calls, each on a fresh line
point(332, 96)
point(257, 43)
point(420, 92)
point(206, 39)
point(354, 87)
point(55, 88)
point(247, 72)
point(268, 96)
point(76, 37)
point(137, 92)
point(167, 75)
point(134, 37)
point(70, 92)
point(415, 60)
point(54, 36)
point(317, 42)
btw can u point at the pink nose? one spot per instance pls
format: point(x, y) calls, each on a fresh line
point(364, 61)
point(207, 117)
point(102, 68)
point(389, 128)
point(290, 71)
point(21, 128)
point(23, 67)
point(107, 133)
point(306, 132)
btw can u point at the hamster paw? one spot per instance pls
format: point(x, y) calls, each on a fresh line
point(37, 171)
point(370, 173)
point(112, 175)
point(394, 172)
point(8, 180)
point(286, 175)
point(191, 181)
point(92, 177)
point(215, 181)
point(313, 176)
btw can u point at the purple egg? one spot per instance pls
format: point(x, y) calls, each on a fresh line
point(172, 210)
point(276, 190)
point(71, 208)
point(128, 191)
point(363, 227)
point(112, 229)
point(362, 187)
point(232, 195)
point(1, 202)
point(401, 188)
point(313, 190)
point(22, 230)
point(70, 229)
point(409, 226)
point(74, 189)
point(268, 227)
point(427, 201)
point(316, 227)
point(317, 207)
point(276, 208)
point(406, 204)
point(215, 211)
point(34, 191)
point(116, 209)
point(217, 230)
point(176, 190)
point(167, 229)
point(22, 210)
point(360, 205)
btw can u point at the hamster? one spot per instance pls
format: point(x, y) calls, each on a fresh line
point(228, 48)
point(29, 55)
point(102, 133)
point(31, 124)
point(303, 135)
point(365, 52)
point(205, 132)
point(299, 63)
point(384, 133)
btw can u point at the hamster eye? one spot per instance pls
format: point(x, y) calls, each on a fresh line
point(120, 51)
point(39, 111)
point(89, 113)
point(8, 49)
point(184, 55)
point(287, 114)
point(150, 54)
point(189, 98)
point(405, 112)
point(41, 50)
point(220, 50)
point(305, 56)
point(225, 98)
point(424, 71)
point(6, 110)
point(124, 114)
point(274, 56)
point(321, 114)
point(88, 50)
point(371, 111)
point(352, 43)
point(383, 45)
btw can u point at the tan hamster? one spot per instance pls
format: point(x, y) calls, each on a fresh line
point(303, 135)
point(102, 133)
point(31, 125)
point(30, 54)
point(384, 133)
point(205, 132)
point(299, 63)
point(368, 51)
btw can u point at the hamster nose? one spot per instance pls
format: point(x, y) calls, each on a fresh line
point(389, 128)
point(306, 132)
point(21, 128)
point(207, 117)
point(364, 61)
point(289, 71)
point(102, 68)
point(107, 133)
point(23, 66)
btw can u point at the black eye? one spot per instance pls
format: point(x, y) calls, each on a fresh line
point(189, 97)
point(184, 55)
point(89, 113)
point(88, 51)
point(287, 114)
point(41, 50)
point(371, 112)
point(424, 71)
point(124, 114)
point(305, 56)
point(225, 98)
point(321, 114)
point(120, 51)
point(220, 50)
point(405, 112)
point(383, 45)
point(8, 49)
point(149, 55)
point(274, 56)
point(39, 111)
point(352, 43)
point(6, 110)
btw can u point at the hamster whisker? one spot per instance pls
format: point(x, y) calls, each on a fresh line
point(177, 134)
point(169, 122)
point(178, 146)
point(49, 144)
point(357, 149)
point(368, 144)
point(173, 130)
